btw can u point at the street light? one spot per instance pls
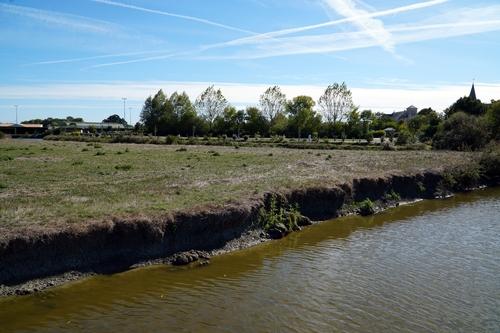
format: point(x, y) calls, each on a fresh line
point(124, 101)
point(15, 125)
point(130, 115)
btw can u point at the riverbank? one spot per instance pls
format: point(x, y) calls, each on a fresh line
point(35, 257)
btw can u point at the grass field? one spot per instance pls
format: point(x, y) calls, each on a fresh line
point(46, 183)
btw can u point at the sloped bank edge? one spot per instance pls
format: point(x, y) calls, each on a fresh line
point(118, 245)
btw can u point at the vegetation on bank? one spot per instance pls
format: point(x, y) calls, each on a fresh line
point(93, 181)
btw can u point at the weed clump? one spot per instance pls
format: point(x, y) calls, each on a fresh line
point(123, 167)
point(182, 149)
point(100, 153)
point(280, 219)
point(366, 207)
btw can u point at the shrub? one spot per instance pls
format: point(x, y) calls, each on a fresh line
point(489, 164)
point(170, 140)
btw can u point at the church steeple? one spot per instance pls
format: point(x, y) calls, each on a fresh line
point(472, 94)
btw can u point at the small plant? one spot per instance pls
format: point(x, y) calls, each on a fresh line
point(2, 186)
point(77, 163)
point(421, 187)
point(392, 196)
point(123, 167)
point(329, 157)
point(97, 146)
point(181, 149)
point(6, 158)
point(366, 207)
point(215, 153)
point(85, 149)
point(100, 153)
point(127, 150)
point(270, 154)
point(119, 152)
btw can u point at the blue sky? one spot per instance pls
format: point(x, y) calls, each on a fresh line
point(80, 57)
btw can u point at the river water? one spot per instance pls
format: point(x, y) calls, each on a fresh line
point(432, 266)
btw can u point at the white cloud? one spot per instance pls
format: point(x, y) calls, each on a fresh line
point(59, 19)
point(385, 99)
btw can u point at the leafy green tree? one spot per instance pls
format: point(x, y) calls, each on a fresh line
point(255, 122)
point(185, 113)
point(301, 114)
point(211, 104)
point(467, 105)
point(272, 103)
point(354, 127)
point(461, 131)
point(115, 119)
point(153, 113)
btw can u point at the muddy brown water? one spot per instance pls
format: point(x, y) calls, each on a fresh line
point(432, 266)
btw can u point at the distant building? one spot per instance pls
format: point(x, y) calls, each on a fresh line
point(9, 128)
point(87, 127)
point(472, 94)
point(409, 113)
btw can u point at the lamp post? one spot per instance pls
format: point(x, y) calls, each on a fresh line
point(124, 102)
point(15, 125)
point(130, 116)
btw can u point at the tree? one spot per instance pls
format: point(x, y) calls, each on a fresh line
point(354, 128)
point(255, 122)
point(468, 105)
point(461, 131)
point(115, 119)
point(336, 102)
point(211, 104)
point(187, 119)
point(153, 112)
point(301, 113)
point(272, 103)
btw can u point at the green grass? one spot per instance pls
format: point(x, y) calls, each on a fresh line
point(49, 182)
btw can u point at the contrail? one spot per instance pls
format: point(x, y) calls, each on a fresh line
point(185, 17)
point(335, 22)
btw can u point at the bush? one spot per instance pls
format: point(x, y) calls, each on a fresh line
point(170, 140)
point(489, 164)
point(2, 136)
point(461, 132)
point(404, 138)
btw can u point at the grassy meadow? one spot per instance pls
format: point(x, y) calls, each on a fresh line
point(47, 183)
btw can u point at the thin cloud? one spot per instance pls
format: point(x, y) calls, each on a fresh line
point(270, 36)
point(59, 19)
point(460, 22)
point(283, 32)
point(164, 13)
point(104, 56)
point(369, 25)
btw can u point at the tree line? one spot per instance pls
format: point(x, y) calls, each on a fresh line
point(466, 124)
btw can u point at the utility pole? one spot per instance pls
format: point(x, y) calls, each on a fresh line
point(15, 125)
point(124, 102)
